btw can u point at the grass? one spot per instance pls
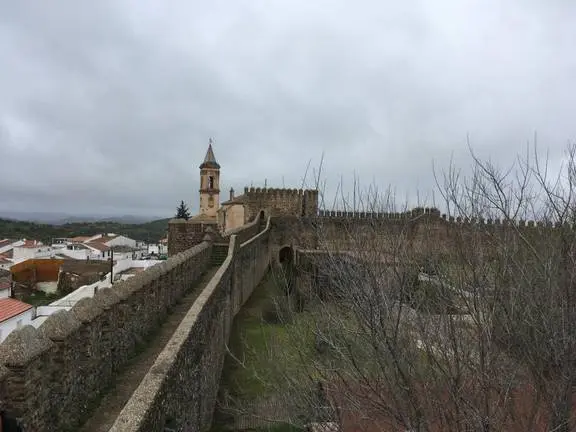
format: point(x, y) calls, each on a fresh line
point(266, 349)
point(262, 349)
point(40, 298)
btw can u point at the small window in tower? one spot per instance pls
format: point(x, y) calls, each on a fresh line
point(210, 182)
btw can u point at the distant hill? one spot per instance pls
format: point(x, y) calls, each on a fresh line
point(126, 220)
point(148, 231)
point(64, 218)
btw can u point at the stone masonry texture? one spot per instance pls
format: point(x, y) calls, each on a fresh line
point(182, 386)
point(52, 376)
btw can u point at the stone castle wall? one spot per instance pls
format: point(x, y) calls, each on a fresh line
point(51, 377)
point(419, 232)
point(183, 234)
point(181, 388)
point(259, 203)
point(280, 202)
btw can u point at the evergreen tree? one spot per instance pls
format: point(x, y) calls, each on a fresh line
point(182, 211)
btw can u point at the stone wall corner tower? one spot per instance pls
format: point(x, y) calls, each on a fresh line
point(209, 184)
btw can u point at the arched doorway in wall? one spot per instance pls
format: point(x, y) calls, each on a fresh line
point(262, 220)
point(286, 255)
point(286, 261)
point(290, 275)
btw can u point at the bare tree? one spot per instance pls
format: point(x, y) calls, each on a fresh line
point(418, 322)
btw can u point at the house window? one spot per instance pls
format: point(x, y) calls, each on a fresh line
point(211, 182)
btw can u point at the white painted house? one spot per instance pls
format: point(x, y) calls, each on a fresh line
point(76, 251)
point(97, 247)
point(13, 315)
point(157, 249)
point(111, 240)
point(5, 263)
point(5, 288)
point(7, 251)
point(31, 249)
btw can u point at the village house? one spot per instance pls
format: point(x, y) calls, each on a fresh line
point(13, 313)
point(160, 248)
point(31, 249)
point(5, 262)
point(5, 287)
point(98, 247)
point(16, 251)
point(6, 245)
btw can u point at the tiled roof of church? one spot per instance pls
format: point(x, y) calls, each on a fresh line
point(210, 159)
point(240, 199)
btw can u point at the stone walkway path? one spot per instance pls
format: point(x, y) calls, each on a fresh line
point(130, 377)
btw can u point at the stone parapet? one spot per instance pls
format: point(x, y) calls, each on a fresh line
point(180, 389)
point(52, 376)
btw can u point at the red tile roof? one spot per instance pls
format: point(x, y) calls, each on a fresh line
point(240, 199)
point(29, 244)
point(103, 239)
point(9, 308)
point(79, 239)
point(5, 242)
point(98, 245)
point(8, 254)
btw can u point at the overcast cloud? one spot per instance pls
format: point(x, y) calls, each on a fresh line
point(107, 106)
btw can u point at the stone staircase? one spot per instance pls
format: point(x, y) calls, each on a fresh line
point(219, 253)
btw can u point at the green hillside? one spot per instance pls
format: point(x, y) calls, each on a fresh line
point(149, 231)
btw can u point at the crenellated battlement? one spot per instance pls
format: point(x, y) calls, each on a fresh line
point(280, 202)
point(505, 223)
point(411, 214)
point(434, 213)
point(277, 191)
point(281, 193)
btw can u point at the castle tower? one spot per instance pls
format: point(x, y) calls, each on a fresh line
point(209, 184)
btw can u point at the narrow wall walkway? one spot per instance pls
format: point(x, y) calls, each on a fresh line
point(128, 380)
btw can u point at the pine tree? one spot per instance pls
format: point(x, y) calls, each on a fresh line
point(182, 211)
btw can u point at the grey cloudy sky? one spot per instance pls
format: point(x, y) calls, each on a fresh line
point(108, 105)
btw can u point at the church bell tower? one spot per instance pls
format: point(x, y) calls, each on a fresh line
point(209, 184)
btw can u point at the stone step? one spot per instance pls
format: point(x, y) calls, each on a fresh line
point(219, 254)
